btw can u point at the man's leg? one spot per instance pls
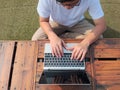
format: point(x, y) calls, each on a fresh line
point(82, 29)
point(79, 31)
point(40, 34)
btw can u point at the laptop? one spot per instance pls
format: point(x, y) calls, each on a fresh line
point(63, 63)
point(62, 70)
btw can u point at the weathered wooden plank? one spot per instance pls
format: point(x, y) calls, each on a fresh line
point(108, 73)
point(107, 48)
point(38, 76)
point(107, 83)
point(107, 43)
point(107, 53)
point(107, 62)
point(88, 68)
point(113, 87)
point(63, 87)
point(41, 49)
point(24, 70)
point(39, 71)
point(108, 78)
point(107, 65)
point(105, 68)
point(6, 57)
point(40, 66)
point(35, 64)
point(108, 87)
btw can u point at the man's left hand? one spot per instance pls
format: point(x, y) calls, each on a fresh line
point(78, 51)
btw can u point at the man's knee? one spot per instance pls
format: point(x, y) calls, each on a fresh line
point(33, 38)
point(39, 34)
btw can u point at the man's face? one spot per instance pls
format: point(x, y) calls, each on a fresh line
point(70, 4)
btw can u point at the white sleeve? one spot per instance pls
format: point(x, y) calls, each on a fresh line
point(95, 9)
point(43, 8)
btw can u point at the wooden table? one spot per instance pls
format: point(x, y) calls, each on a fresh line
point(21, 66)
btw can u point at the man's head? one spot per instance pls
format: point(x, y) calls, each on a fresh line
point(68, 3)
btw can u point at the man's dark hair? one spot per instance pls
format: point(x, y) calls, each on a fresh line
point(62, 1)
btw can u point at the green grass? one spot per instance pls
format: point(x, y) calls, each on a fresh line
point(112, 15)
point(19, 19)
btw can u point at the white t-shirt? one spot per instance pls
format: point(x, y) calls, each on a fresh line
point(69, 17)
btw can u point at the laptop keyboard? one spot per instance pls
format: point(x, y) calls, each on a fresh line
point(63, 63)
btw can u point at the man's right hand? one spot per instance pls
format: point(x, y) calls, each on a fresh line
point(57, 45)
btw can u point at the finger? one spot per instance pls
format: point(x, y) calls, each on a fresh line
point(73, 53)
point(79, 55)
point(53, 52)
point(61, 50)
point(63, 44)
point(83, 56)
point(57, 53)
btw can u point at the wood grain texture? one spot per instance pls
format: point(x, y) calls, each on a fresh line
point(108, 74)
point(24, 66)
point(63, 87)
point(107, 48)
point(107, 43)
point(6, 56)
point(104, 70)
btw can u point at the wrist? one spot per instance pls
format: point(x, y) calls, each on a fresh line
point(51, 35)
point(86, 43)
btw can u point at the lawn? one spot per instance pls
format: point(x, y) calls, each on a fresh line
point(19, 19)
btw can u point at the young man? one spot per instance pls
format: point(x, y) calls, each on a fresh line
point(65, 19)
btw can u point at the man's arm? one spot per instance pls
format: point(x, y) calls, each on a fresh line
point(55, 41)
point(100, 27)
point(80, 50)
point(44, 23)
